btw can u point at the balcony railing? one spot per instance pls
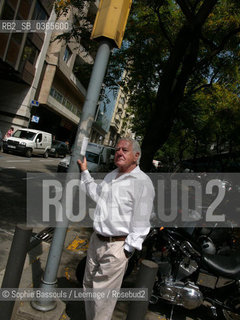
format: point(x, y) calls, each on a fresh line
point(78, 84)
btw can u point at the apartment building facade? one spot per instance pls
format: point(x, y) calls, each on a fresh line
point(113, 120)
point(120, 125)
point(21, 61)
point(35, 68)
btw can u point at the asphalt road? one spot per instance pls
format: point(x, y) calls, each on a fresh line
point(13, 178)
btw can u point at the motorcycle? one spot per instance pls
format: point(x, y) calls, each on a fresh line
point(190, 276)
point(196, 266)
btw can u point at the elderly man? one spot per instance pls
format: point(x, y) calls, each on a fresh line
point(124, 202)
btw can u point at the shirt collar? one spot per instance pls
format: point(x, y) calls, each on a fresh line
point(133, 173)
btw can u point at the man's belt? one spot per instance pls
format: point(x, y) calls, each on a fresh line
point(111, 238)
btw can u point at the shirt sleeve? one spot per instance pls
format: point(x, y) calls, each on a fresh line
point(93, 189)
point(140, 222)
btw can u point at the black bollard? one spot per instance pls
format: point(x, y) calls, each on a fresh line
point(15, 264)
point(145, 279)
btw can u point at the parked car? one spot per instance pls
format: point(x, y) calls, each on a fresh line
point(28, 142)
point(59, 148)
point(99, 158)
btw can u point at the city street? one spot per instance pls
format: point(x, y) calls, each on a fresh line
point(161, 98)
point(13, 170)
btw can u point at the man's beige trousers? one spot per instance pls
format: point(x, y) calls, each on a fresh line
point(105, 268)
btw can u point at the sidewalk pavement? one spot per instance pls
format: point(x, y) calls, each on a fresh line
point(75, 248)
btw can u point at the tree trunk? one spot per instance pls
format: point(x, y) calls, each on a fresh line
point(179, 67)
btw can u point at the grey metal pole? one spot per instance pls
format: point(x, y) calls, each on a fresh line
point(145, 279)
point(84, 128)
point(15, 264)
point(91, 100)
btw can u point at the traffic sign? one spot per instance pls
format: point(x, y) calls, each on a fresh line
point(35, 103)
point(35, 119)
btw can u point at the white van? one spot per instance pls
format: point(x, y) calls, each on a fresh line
point(28, 142)
point(99, 159)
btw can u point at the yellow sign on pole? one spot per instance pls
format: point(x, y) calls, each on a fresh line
point(111, 20)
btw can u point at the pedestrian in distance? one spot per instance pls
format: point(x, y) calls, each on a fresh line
point(9, 133)
point(121, 221)
point(68, 146)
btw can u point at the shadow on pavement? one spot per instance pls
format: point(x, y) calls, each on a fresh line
point(74, 309)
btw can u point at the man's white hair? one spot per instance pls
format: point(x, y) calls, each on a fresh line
point(135, 146)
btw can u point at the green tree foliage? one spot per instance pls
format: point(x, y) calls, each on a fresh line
point(174, 50)
point(207, 123)
point(81, 15)
point(182, 68)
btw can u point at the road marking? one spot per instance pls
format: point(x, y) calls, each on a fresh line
point(10, 167)
point(2, 230)
point(30, 178)
point(49, 160)
point(40, 175)
point(78, 245)
point(18, 161)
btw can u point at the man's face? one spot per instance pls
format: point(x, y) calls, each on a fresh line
point(125, 159)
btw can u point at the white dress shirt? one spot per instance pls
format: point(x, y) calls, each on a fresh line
point(123, 205)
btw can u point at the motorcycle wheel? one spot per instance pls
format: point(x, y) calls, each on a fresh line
point(235, 305)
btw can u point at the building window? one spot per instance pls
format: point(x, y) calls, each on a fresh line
point(7, 13)
point(30, 53)
point(39, 13)
point(24, 9)
point(67, 54)
point(17, 37)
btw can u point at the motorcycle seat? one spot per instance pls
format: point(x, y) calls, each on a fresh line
point(226, 266)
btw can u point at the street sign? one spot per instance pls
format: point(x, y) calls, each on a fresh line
point(34, 103)
point(35, 119)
